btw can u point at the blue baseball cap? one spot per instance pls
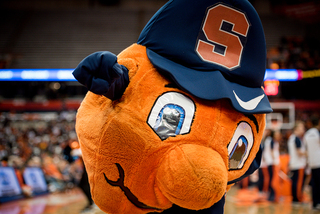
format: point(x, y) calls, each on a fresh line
point(211, 49)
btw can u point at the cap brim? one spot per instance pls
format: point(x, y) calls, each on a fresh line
point(212, 85)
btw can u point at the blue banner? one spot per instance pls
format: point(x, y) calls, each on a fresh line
point(66, 75)
point(36, 75)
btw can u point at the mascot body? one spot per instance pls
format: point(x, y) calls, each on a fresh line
point(173, 121)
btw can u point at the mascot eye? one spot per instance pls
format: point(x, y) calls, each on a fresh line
point(240, 146)
point(171, 115)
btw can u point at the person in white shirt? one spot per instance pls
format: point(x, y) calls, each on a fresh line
point(271, 156)
point(263, 182)
point(298, 161)
point(312, 141)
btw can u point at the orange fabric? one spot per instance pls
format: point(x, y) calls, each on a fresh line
point(52, 170)
point(300, 185)
point(19, 177)
point(245, 183)
point(266, 178)
point(285, 181)
point(275, 182)
point(284, 163)
point(119, 147)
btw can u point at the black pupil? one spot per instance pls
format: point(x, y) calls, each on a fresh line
point(237, 155)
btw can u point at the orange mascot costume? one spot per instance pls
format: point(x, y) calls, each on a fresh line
point(174, 120)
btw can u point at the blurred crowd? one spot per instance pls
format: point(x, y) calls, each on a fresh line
point(286, 167)
point(290, 165)
point(295, 53)
point(50, 145)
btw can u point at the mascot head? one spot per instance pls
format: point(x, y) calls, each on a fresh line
point(177, 117)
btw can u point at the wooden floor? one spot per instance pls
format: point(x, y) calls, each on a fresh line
point(249, 201)
point(73, 201)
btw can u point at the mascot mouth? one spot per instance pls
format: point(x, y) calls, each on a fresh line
point(131, 197)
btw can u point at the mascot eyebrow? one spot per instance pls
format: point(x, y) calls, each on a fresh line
point(254, 120)
point(171, 85)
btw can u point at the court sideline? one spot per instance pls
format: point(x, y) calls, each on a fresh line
point(73, 201)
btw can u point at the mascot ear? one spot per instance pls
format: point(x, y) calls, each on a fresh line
point(101, 74)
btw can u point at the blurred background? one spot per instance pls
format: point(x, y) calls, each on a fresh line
point(37, 117)
point(60, 33)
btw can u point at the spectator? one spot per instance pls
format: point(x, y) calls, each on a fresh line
point(17, 164)
point(263, 182)
point(4, 161)
point(52, 174)
point(312, 141)
point(271, 158)
point(297, 162)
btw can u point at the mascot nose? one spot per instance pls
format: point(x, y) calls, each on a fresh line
point(192, 176)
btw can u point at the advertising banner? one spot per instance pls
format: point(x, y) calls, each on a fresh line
point(9, 185)
point(34, 178)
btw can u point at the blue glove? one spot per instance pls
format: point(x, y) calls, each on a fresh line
point(101, 74)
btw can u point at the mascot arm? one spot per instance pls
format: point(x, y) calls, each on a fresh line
point(101, 74)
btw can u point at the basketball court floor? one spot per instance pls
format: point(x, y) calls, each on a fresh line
point(73, 201)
